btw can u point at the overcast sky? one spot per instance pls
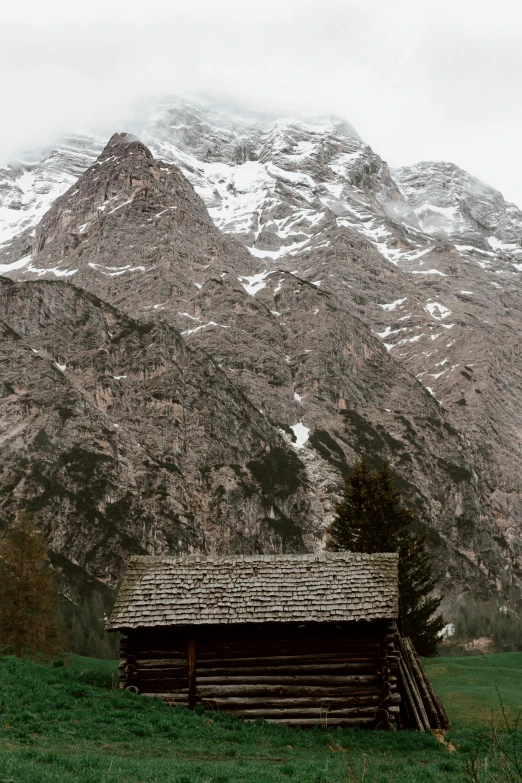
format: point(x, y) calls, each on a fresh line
point(418, 80)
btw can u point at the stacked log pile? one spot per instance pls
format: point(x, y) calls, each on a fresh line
point(421, 707)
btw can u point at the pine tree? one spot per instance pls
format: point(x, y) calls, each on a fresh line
point(28, 595)
point(85, 618)
point(372, 518)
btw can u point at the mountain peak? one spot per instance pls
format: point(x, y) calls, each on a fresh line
point(126, 145)
point(124, 177)
point(127, 215)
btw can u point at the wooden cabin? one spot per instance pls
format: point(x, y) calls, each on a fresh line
point(294, 639)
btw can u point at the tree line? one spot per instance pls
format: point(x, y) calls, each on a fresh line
point(36, 619)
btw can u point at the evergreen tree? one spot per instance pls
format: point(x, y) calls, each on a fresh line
point(372, 518)
point(28, 594)
point(85, 618)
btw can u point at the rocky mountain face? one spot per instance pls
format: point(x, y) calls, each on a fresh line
point(122, 438)
point(229, 317)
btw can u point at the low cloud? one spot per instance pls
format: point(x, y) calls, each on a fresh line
point(418, 83)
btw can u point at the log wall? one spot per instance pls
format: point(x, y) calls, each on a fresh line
point(318, 674)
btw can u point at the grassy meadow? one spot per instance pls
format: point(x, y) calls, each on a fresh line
point(468, 686)
point(72, 725)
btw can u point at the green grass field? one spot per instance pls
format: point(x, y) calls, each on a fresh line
point(468, 686)
point(69, 725)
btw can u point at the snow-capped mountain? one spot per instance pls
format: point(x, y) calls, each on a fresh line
point(29, 186)
point(450, 202)
point(359, 310)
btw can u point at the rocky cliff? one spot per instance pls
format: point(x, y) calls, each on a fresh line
point(342, 309)
point(122, 438)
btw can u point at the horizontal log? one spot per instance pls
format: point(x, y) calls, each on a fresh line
point(157, 663)
point(257, 647)
point(231, 685)
point(174, 671)
point(303, 679)
point(283, 655)
point(224, 637)
point(295, 669)
point(318, 667)
point(362, 721)
point(143, 653)
point(163, 685)
point(285, 660)
point(237, 631)
point(309, 712)
point(206, 691)
point(225, 642)
point(168, 683)
point(264, 665)
point(317, 660)
point(266, 714)
point(283, 648)
point(232, 703)
point(170, 641)
point(174, 677)
point(318, 693)
point(326, 656)
point(257, 651)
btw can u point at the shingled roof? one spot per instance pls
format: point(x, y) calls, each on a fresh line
point(197, 590)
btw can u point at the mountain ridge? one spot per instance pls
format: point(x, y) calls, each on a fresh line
point(330, 332)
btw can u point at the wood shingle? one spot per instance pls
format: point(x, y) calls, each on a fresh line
point(199, 590)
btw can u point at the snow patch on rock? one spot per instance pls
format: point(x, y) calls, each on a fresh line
point(301, 434)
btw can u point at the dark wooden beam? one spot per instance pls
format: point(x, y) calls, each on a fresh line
point(191, 657)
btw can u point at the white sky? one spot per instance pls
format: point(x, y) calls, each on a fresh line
point(419, 80)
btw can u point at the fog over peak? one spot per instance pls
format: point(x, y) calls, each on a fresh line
point(416, 83)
